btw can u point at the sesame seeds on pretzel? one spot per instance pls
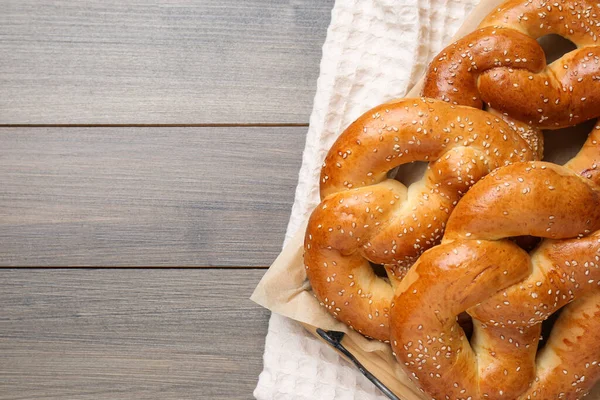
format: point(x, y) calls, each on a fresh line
point(502, 65)
point(364, 216)
point(507, 292)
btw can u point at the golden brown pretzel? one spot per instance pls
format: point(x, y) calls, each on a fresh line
point(502, 64)
point(507, 292)
point(366, 217)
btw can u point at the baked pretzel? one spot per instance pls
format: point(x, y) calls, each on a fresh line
point(508, 292)
point(365, 216)
point(501, 64)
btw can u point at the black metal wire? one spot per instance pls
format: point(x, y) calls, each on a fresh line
point(334, 338)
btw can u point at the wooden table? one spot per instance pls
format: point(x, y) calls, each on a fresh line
point(165, 136)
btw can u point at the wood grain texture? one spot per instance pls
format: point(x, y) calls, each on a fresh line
point(128, 334)
point(146, 196)
point(157, 62)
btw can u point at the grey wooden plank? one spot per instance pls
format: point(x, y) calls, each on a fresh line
point(125, 334)
point(157, 62)
point(210, 196)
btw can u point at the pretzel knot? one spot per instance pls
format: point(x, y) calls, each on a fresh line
point(508, 292)
point(364, 216)
point(503, 65)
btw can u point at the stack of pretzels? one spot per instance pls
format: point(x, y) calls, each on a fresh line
point(451, 244)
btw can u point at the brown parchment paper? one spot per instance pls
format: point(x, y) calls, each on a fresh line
point(285, 290)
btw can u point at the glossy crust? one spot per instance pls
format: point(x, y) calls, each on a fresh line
point(507, 292)
point(503, 66)
point(364, 216)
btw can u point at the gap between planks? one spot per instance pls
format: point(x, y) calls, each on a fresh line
point(204, 267)
point(204, 125)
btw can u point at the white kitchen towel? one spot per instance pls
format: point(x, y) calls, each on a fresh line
point(375, 51)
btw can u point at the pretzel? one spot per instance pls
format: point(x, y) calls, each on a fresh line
point(365, 216)
point(502, 65)
point(507, 292)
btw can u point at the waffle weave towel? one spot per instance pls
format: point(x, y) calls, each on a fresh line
point(375, 51)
